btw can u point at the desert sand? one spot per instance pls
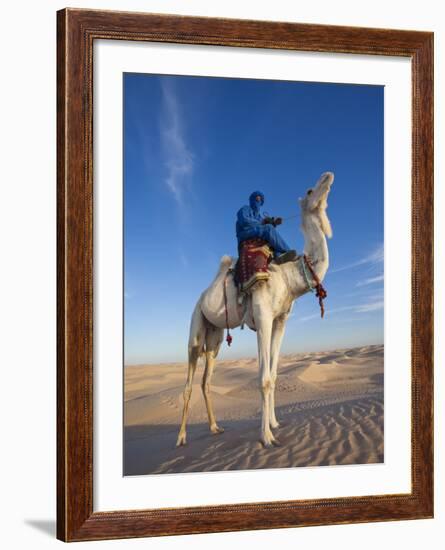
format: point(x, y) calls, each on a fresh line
point(329, 405)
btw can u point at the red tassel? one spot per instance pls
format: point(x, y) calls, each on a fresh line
point(228, 338)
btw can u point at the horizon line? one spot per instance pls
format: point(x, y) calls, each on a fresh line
point(243, 357)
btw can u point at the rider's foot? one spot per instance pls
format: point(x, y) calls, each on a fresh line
point(288, 256)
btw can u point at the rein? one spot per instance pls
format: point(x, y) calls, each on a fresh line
point(320, 291)
point(228, 337)
point(291, 217)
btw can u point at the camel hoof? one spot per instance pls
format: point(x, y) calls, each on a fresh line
point(181, 441)
point(217, 430)
point(271, 442)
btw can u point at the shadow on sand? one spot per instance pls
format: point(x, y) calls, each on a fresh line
point(347, 432)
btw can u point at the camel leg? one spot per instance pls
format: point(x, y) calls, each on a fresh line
point(196, 349)
point(263, 323)
point(214, 337)
point(193, 361)
point(278, 328)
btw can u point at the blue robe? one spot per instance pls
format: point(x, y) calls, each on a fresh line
point(250, 225)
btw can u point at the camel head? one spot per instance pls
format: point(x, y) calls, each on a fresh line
point(315, 203)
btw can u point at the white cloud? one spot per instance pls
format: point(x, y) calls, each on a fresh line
point(374, 304)
point(179, 160)
point(370, 281)
point(184, 260)
point(375, 257)
point(370, 306)
point(327, 311)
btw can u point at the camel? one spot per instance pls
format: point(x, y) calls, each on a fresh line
point(267, 310)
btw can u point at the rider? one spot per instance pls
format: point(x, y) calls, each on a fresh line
point(252, 223)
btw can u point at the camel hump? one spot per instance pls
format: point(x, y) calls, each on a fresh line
point(225, 263)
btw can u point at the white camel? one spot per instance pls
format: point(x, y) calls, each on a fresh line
point(268, 308)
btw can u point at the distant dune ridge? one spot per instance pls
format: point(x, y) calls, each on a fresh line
point(330, 405)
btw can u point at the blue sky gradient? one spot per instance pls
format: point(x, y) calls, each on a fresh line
point(194, 150)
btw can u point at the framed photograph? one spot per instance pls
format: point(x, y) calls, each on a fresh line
point(245, 275)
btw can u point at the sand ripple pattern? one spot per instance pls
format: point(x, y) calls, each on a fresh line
point(330, 406)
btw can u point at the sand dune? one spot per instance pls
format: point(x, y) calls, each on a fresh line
point(329, 404)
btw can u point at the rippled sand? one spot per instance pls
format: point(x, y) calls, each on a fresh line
point(329, 404)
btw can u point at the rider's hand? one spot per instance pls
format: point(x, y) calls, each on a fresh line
point(277, 221)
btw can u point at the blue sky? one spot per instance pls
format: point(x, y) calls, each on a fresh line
point(194, 150)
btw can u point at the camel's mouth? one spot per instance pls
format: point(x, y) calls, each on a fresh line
point(317, 196)
point(325, 181)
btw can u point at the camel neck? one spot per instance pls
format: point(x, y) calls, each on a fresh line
point(315, 245)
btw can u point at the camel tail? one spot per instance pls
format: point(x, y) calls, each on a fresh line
point(197, 333)
point(199, 324)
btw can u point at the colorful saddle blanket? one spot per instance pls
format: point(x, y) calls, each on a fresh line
point(253, 263)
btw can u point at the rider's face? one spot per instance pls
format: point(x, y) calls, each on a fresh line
point(258, 198)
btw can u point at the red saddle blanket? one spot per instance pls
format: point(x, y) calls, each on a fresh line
point(253, 263)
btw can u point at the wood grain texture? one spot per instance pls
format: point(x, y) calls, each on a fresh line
point(76, 32)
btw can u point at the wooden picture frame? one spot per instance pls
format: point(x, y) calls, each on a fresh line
point(76, 32)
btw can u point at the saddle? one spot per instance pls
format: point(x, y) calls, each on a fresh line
point(253, 263)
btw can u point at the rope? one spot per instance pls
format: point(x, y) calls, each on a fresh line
point(228, 337)
point(291, 217)
point(309, 284)
point(320, 291)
